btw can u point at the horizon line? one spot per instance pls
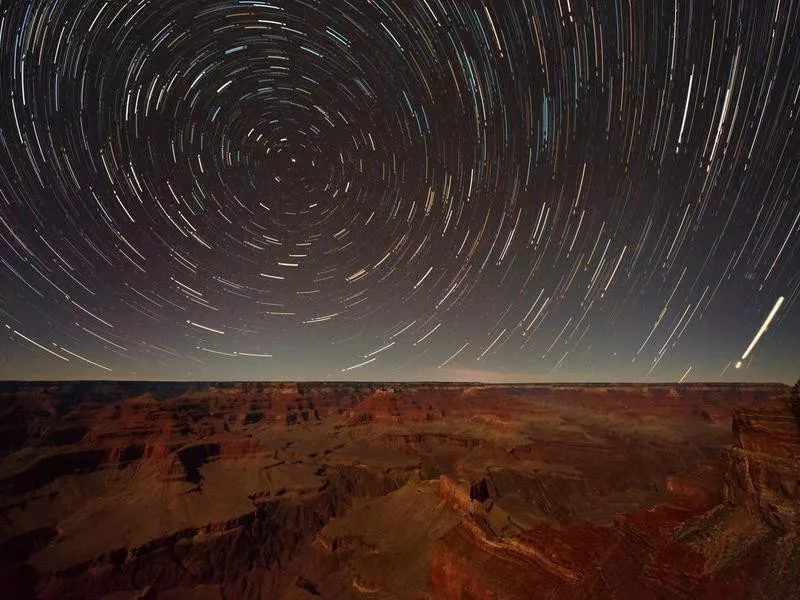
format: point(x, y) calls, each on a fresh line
point(397, 381)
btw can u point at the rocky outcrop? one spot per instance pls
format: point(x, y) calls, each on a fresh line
point(724, 529)
point(218, 553)
point(638, 556)
point(764, 464)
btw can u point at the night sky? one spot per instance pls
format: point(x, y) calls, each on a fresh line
point(506, 190)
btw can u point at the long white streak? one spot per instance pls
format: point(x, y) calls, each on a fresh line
point(525, 318)
point(374, 352)
point(403, 329)
point(419, 283)
point(91, 314)
point(320, 319)
point(187, 288)
point(104, 339)
point(253, 355)
point(610, 279)
point(684, 375)
point(427, 334)
point(85, 359)
point(788, 235)
point(730, 362)
point(492, 344)
point(454, 355)
point(685, 110)
point(366, 362)
point(216, 352)
point(206, 328)
point(660, 316)
point(764, 327)
point(537, 314)
point(40, 346)
point(664, 347)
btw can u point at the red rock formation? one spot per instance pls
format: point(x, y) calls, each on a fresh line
point(432, 491)
point(689, 547)
point(764, 463)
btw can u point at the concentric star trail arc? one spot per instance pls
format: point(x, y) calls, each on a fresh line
point(434, 189)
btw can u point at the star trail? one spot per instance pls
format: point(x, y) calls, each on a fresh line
point(514, 190)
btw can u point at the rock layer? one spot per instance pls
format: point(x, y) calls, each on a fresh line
point(764, 463)
point(137, 490)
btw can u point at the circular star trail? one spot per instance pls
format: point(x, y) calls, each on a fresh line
point(505, 190)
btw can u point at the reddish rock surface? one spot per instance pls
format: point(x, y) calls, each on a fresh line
point(162, 491)
point(764, 463)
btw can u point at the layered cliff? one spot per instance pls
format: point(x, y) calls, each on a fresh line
point(727, 528)
point(764, 463)
point(247, 491)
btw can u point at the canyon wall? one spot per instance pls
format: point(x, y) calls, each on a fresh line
point(251, 491)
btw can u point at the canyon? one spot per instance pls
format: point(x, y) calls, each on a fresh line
point(206, 491)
